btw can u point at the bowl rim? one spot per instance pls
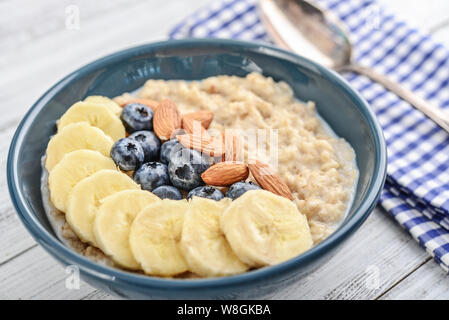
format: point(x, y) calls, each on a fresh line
point(67, 255)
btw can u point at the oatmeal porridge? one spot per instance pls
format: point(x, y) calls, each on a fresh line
point(318, 167)
point(147, 181)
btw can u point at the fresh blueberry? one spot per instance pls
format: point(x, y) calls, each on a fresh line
point(168, 192)
point(167, 148)
point(206, 192)
point(127, 154)
point(136, 117)
point(239, 188)
point(150, 144)
point(152, 175)
point(185, 168)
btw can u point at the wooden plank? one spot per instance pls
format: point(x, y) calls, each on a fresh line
point(99, 295)
point(35, 275)
point(34, 21)
point(375, 258)
point(64, 50)
point(13, 236)
point(429, 282)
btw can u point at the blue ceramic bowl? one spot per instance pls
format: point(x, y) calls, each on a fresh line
point(344, 109)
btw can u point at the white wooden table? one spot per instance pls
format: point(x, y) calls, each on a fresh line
point(381, 261)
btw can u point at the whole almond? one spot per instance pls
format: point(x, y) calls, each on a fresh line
point(200, 143)
point(150, 103)
point(268, 179)
point(194, 127)
point(203, 116)
point(225, 173)
point(166, 119)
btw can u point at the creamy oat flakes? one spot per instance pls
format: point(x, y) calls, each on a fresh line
point(318, 167)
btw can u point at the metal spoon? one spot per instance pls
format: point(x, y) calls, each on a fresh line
point(317, 34)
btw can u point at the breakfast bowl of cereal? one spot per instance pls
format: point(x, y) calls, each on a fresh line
point(200, 168)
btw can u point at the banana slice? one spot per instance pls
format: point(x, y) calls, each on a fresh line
point(205, 248)
point(155, 238)
point(265, 229)
point(110, 104)
point(72, 168)
point(76, 136)
point(86, 197)
point(113, 223)
point(96, 115)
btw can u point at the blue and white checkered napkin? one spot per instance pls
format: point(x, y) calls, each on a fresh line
point(417, 188)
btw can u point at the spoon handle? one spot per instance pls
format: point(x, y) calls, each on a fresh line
point(434, 113)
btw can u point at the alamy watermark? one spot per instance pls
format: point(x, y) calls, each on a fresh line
point(72, 282)
point(239, 145)
point(72, 19)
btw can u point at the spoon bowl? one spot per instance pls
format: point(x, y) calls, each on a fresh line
point(319, 36)
point(306, 29)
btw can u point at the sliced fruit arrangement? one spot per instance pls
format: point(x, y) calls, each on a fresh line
point(264, 229)
point(110, 104)
point(120, 172)
point(113, 223)
point(76, 136)
point(97, 115)
point(156, 235)
point(86, 197)
point(205, 248)
point(189, 160)
point(74, 167)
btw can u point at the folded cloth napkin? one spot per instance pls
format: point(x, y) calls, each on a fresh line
point(417, 190)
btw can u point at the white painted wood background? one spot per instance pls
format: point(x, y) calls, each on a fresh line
point(36, 50)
